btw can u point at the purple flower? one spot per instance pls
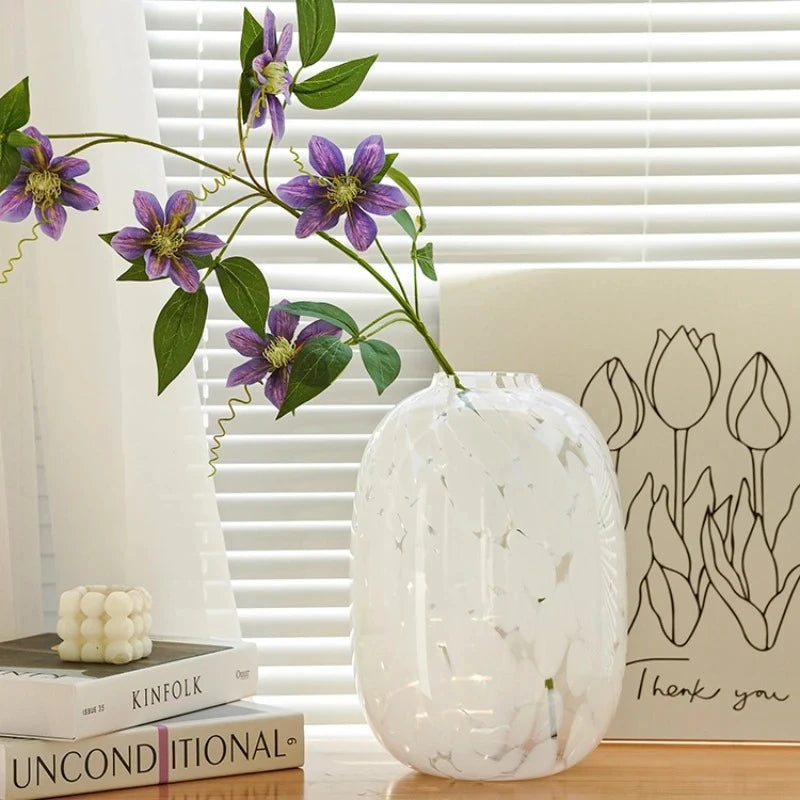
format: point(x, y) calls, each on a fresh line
point(275, 354)
point(46, 184)
point(338, 191)
point(164, 241)
point(273, 78)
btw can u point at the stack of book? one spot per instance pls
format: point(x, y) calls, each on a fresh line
point(71, 728)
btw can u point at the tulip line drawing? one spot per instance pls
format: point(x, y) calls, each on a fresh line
point(681, 381)
point(617, 402)
point(684, 540)
point(758, 416)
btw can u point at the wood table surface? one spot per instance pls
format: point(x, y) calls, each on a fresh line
point(358, 769)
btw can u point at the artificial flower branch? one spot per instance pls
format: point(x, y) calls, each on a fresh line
point(293, 367)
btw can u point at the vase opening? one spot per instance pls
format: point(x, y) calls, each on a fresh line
point(478, 381)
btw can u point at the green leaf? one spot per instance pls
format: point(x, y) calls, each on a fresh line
point(252, 40)
point(245, 290)
point(318, 364)
point(178, 330)
point(136, 272)
point(245, 95)
point(334, 86)
point(381, 361)
point(20, 139)
point(390, 159)
point(316, 22)
point(10, 162)
point(107, 237)
point(404, 182)
point(425, 261)
point(203, 262)
point(406, 223)
point(15, 107)
point(327, 311)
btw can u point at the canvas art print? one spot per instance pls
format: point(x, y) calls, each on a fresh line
point(692, 377)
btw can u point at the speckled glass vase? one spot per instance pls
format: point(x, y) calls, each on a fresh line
point(488, 580)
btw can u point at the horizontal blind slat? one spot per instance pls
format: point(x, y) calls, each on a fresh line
point(460, 76)
point(285, 534)
point(508, 133)
point(372, 17)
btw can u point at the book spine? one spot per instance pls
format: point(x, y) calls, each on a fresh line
point(165, 690)
point(151, 755)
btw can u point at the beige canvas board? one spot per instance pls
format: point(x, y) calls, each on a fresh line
point(693, 377)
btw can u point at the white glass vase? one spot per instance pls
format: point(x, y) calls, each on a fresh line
point(488, 580)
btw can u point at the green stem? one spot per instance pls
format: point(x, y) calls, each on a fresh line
point(440, 357)
point(387, 324)
point(222, 210)
point(364, 336)
point(110, 138)
point(391, 267)
point(272, 138)
point(382, 317)
point(242, 137)
point(236, 228)
point(416, 282)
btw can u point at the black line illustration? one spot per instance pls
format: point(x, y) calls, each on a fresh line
point(682, 545)
point(758, 416)
point(681, 381)
point(616, 404)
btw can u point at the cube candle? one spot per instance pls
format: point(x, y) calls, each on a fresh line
point(108, 624)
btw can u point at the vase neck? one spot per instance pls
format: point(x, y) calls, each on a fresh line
point(478, 381)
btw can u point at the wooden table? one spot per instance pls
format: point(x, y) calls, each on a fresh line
point(359, 769)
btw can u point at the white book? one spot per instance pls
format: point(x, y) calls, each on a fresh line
point(224, 740)
point(44, 697)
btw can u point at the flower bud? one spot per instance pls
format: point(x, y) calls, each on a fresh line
point(758, 406)
point(682, 377)
point(615, 403)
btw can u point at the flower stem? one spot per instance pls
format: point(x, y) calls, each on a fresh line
point(757, 461)
point(391, 267)
point(681, 438)
point(440, 357)
point(237, 226)
point(111, 138)
point(222, 210)
point(369, 335)
point(242, 136)
point(382, 317)
point(416, 281)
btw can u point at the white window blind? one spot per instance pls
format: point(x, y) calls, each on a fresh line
point(569, 133)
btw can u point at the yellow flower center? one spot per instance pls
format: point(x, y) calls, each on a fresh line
point(343, 190)
point(44, 186)
point(167, 241)
point(275, 75)
point(280, 352)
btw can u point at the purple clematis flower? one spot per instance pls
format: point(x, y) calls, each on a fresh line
point(339, 191)
point(275, 354)
point(273, 78)
point(164, 241)
point(46, 184)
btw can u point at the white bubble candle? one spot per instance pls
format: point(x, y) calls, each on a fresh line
point(108, 624)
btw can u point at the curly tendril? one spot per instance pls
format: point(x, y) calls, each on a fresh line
point(300, 166)
point(214, 449)
point(12, 262)
point(217, 184)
